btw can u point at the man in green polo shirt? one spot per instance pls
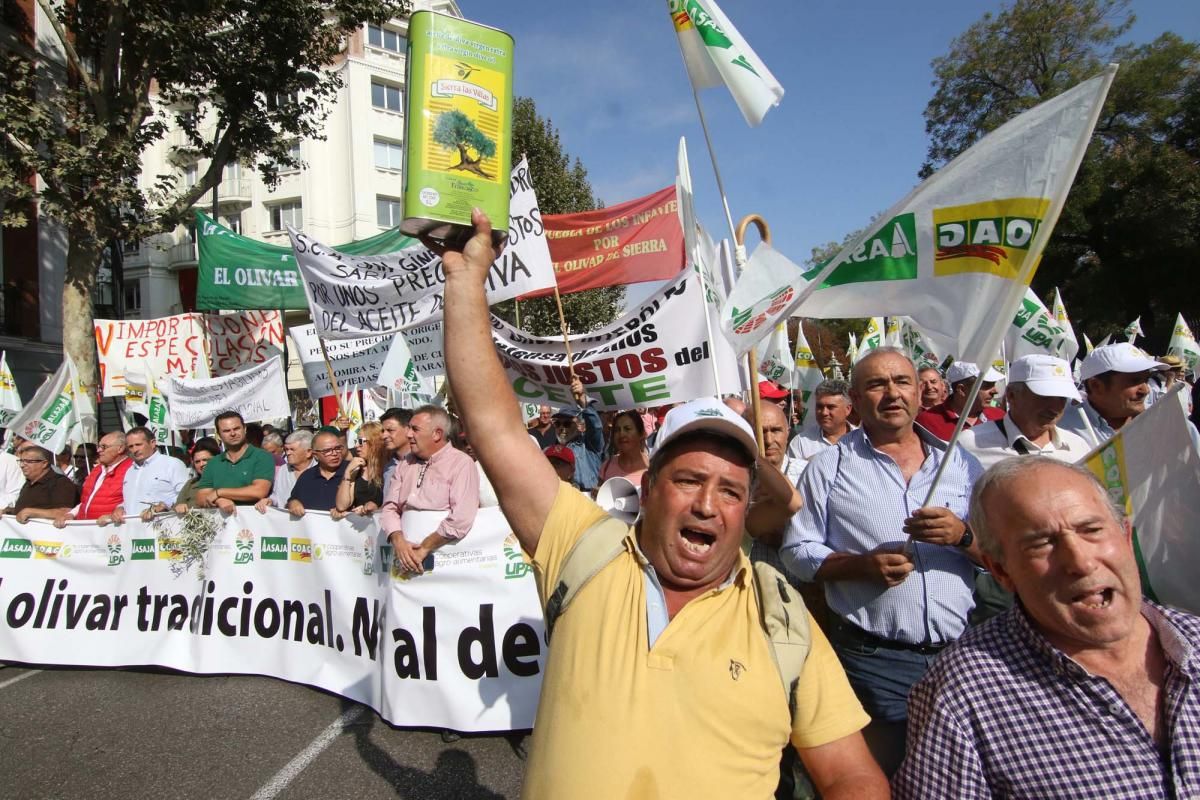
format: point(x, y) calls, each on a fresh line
point(241, 476)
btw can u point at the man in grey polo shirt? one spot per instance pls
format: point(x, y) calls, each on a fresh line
point(1039, 388)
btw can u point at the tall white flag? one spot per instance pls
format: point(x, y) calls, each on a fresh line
point(715, 53)
point(59, 413)
point(10, 398)
point(1059, 310)
point(1183, 344)
point(806, 374)
point(1034, 330)
point(872, 338)
point(1134, 330)
point(956, 254)
point(776, 360)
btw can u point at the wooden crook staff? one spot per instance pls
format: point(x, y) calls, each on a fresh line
point(764, 232)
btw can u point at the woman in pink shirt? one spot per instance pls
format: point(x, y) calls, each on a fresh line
point(629, 458)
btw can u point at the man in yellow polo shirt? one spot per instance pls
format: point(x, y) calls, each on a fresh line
point(660, 681)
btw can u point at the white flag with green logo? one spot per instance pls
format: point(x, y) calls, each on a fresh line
point(10, 399)
point(158, 415)
point(1133, 330)
point(1034, 330)
point(1152, 470)
point(917, 345)
point(715, 53)
point(872, 338)
point(775, 362)
point(1183, 344)
point(894, 337)
point(1059, 310)
point(58, 414)
point(956, 254)
point(806, 373)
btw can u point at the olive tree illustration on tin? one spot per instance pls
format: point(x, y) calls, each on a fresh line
point(454, 130)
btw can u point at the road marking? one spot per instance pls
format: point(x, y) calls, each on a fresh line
point(306, 756)
point(20, 677)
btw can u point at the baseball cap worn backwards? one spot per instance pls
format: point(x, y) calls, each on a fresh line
point(706, 414)
point(1044, 375)
point(1119, 357)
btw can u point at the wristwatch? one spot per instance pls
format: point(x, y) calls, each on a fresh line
point(967, 539)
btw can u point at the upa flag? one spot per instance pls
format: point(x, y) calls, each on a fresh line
point(158, 415)
point(58, 414)
point(1034, 330)
point(715, 53)
point(1133, 330)
point(1151, 469)
point(956, 254)
point(10, 399)
point(1183, 344)
point(777, 359)
point(872, 337)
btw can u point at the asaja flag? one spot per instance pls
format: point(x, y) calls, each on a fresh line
point(1059, 309)
point(10, 399)
point(873, 337)
point(1152, 470)
point(1134, 330)
point(1183, 344)
point(715, 53)
point(1034, 330)
point(776, 360)
point(956, 254)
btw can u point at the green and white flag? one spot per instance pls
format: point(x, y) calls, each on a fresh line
point(956, 254)
point(776, 361)
point(1059, 310)
point(1152, 470)
point(1183, 344)
point(872, 338)
point(1034, 330)
point(806, 373)
point(1133, 330)
point(895, 332)
point(158, 415)
point(59, 413)
point(715, 54)
point(918, 346)
point(10, 399)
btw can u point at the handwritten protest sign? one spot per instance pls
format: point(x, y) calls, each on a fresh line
point(256, 392)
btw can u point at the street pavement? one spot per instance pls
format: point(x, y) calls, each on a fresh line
point(119, 734)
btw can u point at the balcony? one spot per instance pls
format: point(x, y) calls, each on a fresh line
point(231, 191)
point(182, 255)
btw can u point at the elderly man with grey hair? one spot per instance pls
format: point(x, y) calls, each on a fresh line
point(831, 420)
point(1084, 687)
point(297, 457)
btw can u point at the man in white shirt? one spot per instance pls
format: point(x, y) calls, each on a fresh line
point(1039, 387)
point(153, 477)
point(832, 417)
point(297, 457)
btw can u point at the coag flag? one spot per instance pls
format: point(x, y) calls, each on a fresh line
point(777, 359)
point(1034, 330)
point(715, 53)
point(1060, 316)
point(806, 373)
point(10, 399)
point(1183, 344)
point(1133, 330)
point(872, 337)
point(956, 254)
point(1152, 470)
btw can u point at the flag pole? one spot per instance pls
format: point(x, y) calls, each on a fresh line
point(562, 324)
point(739, 237)
point(739, 253)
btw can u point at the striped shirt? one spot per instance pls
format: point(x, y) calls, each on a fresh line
point(855, 500)
point(1004, 714)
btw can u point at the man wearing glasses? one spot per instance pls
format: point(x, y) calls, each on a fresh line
point(44, 488)
point(316, 488)
point(241, 476)
point(102, 490)
point(434, 497)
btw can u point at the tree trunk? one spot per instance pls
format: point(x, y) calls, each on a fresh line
point(79, 337)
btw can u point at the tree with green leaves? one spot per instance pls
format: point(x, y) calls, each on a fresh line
point(1130, 230)
point(454, 130)
point(241, 79)
point(562, 187)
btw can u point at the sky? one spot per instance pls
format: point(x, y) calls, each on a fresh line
point(844, 144)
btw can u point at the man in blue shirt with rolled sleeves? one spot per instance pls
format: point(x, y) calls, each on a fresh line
point(154, 478)
point(588, 444)
point(898, 573)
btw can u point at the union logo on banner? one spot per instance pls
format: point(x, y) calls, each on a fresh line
point(993, 236)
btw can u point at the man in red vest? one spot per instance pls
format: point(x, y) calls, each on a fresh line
point(101, 491)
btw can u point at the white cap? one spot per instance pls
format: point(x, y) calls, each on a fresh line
point(964, 370)
point(1044, 375)
point(706, 414)
point(1119, 357)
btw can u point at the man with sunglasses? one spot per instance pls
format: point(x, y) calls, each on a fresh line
point(580, 430)
point(316, 487)
point(434, 496)
point(44, 488)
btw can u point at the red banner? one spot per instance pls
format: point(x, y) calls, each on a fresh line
point(639, 240)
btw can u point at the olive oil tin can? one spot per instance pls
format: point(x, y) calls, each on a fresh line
point(458, 148)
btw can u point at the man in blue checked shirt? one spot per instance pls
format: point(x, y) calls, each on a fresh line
point(1084, 688)
point(898, 577)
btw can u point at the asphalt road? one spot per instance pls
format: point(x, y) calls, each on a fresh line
point(119, 734)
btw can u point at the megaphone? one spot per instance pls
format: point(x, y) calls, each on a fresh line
point(620, 498)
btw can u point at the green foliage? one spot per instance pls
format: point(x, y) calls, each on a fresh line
point(562, 187)
point(1130, 230)
point(454, 130)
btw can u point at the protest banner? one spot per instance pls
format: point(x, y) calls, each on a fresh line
point(956, 254)
point(658, 353)
point(10, 398)
point(355, 296)
point(59, 413)
point(308, 600)
point(638, 240)
point(256, 392)
point(237, 272)
point(356, 362)
point(185, 345)
point(1151, 468)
